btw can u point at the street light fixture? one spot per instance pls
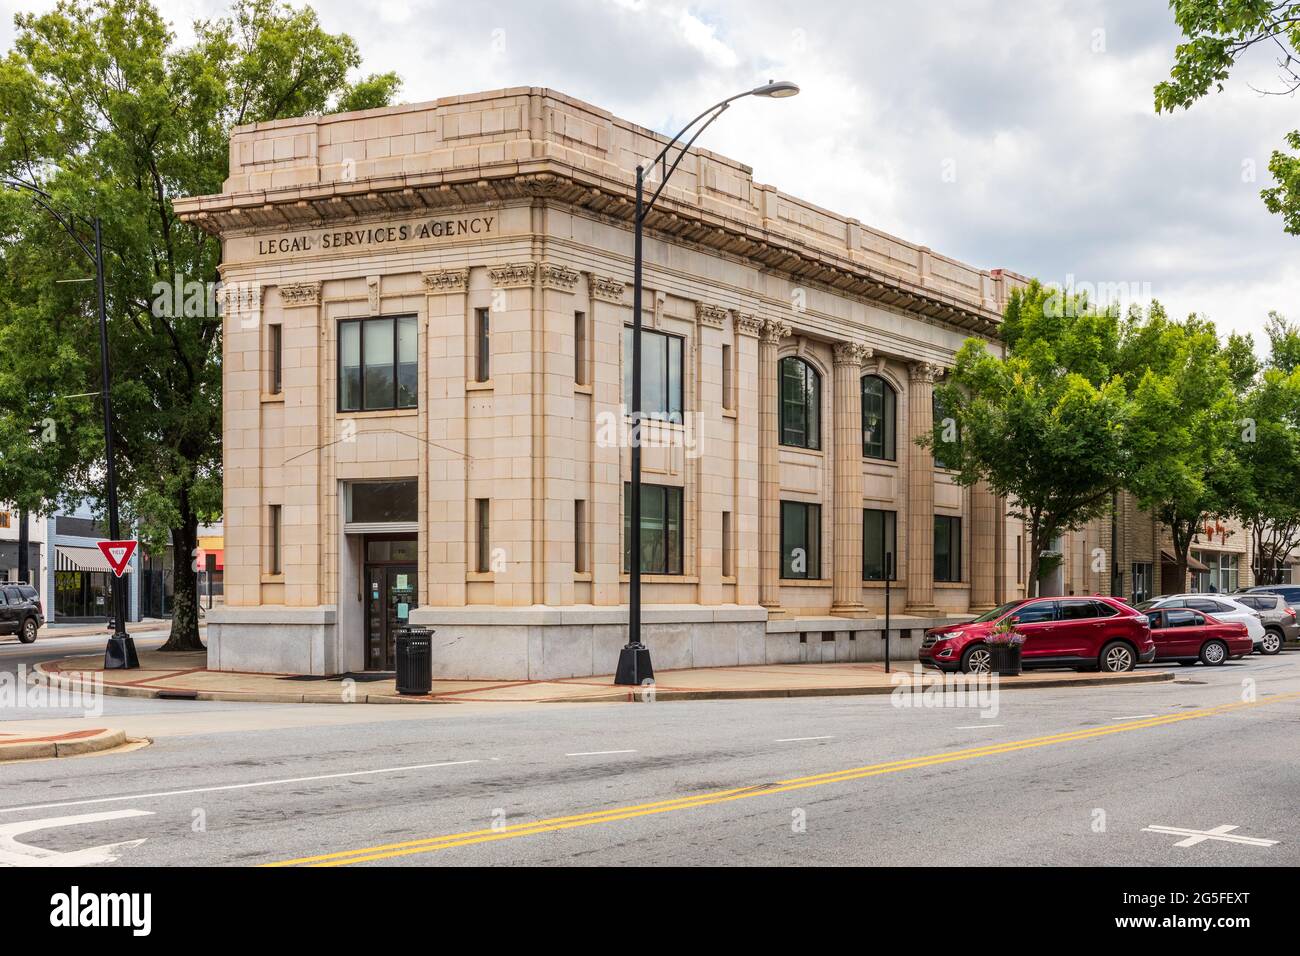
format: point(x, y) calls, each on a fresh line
point(634, 664)
point(120, 652)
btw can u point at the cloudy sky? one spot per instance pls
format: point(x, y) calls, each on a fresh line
point(1006, 133)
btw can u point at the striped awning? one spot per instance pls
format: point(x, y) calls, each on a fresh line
point(68, 558)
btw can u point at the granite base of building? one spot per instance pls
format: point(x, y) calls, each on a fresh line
point(545, 643)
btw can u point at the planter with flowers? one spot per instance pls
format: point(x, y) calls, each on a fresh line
point(1004, 643)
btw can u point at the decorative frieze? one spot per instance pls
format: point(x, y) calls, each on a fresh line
point(513, 275)
point(606, 288)
point(555, 276)
point(300, 293)
point(707, 314)
point(446, 281)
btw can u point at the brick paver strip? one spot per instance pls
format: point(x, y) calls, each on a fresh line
point(70, 735)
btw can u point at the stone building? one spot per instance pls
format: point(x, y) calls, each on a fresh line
point(427, 315)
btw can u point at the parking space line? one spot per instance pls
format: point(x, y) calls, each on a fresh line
point(598, 753)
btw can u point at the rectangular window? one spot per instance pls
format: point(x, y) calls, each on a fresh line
point(661, 529)
point(580, 348)
point(728, 569)
point(579, 536)
point(378, 364)
point(947, 548)
point(728, 398)
point(482, 519)
point(1142, 581)
point(1223, 575)
point(801, 540)
point(275, 358)
point(4, 519)
point(661, 375)
point(482, 346)
point(879, 538)
point(1020, 559)
point(273, 532)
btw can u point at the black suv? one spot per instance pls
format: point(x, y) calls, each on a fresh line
point(20, 611)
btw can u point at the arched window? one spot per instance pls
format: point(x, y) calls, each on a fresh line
point(879, 418)
point(800, 404)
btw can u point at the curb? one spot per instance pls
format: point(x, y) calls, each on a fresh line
point(614, 696)
point(43, 749)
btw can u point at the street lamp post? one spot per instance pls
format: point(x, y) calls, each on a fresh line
point(634, 664)
point(120, 652)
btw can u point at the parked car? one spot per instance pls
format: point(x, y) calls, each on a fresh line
point(1280, 623)
point(1086, 633)
point(20, 611)
point(1220, 606)
point(1289, 592)
point(1188, 636)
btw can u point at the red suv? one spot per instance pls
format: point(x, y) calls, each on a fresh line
point(1086, 633)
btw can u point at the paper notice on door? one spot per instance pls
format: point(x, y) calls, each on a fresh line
point(401, 583)
point(403, 611)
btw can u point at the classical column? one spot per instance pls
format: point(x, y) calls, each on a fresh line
point(847, 568)
point(983, 548)
point(769, 466)
point(920, 491)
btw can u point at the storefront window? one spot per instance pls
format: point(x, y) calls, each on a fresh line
point(1222, 576)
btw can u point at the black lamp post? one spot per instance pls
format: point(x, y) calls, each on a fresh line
point(120, 652)
point(634, 659)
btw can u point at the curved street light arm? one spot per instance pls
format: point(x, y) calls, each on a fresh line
point(44, 200)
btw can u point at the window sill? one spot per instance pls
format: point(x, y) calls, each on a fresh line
point(728, 579)
point(269, 398)
point(479, 386)
point(381, 413)
point(580, 389)
point(816, 452)
point(662, 578)
point(805, 582)
point(273, 578)
point(951, 585)
point(582, 576)
point(480, 576)
point(729, 413)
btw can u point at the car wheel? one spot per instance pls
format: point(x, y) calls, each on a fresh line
point(1117, 657)
point(1272, 643)
point(28, 633)
point(976, 659)
point(1214, 653)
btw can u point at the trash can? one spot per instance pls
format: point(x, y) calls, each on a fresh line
point(414, 660)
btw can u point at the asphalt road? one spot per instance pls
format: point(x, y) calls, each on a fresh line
point(1053, 777)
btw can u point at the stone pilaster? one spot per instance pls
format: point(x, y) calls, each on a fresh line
point(769, 465)
point(920, 491)
point(983, 548)
point(847, 410)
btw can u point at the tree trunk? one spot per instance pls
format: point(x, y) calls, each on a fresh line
point(185, 610)
point(1035, 557)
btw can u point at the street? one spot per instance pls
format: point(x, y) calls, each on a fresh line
point(1192, 772)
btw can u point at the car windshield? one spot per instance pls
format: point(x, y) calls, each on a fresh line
point(997, 612)
point(1145, 605)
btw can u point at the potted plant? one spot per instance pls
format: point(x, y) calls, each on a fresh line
point(1004, 649)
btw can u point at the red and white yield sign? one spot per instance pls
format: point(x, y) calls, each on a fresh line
point(117, 553)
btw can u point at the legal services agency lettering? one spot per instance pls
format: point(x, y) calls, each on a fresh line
point(378, 235)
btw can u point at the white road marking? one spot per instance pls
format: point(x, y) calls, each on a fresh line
point(13, 853)
point(1223, 833)
point(791, 740)
point(599, 753)
point(1134, 717)
point(234, 786)
point(979, 726)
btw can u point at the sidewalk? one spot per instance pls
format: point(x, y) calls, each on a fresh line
point(185, 676)
point(148, 626)
point(71, 744)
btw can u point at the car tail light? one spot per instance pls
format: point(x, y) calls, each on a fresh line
point(1290, 610)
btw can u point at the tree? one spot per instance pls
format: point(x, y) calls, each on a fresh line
point(1218, 33)
point(1186, 427)
point(103, 110)
point(1044, 427)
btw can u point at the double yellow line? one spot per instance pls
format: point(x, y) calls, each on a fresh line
point(552, 824)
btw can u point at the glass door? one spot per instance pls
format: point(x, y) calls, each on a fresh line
point(391, 591)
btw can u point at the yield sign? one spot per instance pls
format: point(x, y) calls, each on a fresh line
point(117, 553)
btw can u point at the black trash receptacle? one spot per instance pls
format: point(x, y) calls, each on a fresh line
point(414, 660)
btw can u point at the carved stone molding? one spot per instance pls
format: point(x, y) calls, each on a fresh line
point(512, 275)
point(446, 281)
point(924, 371)
point(850, 353)
point(372, 294)
point(556, 276)
point(748, 324)
point(606, 288)
point(707, 314)
point(300, 293)
point(774, 331)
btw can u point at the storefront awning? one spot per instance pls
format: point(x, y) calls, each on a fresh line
point(68, 558)
point(1192, 563)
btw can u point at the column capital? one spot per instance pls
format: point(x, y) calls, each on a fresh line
point(924, 372)
point(300, 293)
point(446, 281)
point(747, 324)
point(774, 331)
point(556, 276)
point(512, 275)
point(709, 314)
point(852, 354)
point(606, 288)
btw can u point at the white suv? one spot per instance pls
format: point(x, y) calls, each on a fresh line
point(1219, 606)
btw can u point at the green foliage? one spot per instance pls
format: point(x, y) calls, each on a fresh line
point(1217, 33)
point(102, 109)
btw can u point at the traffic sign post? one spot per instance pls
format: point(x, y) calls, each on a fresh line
point(120, 653)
